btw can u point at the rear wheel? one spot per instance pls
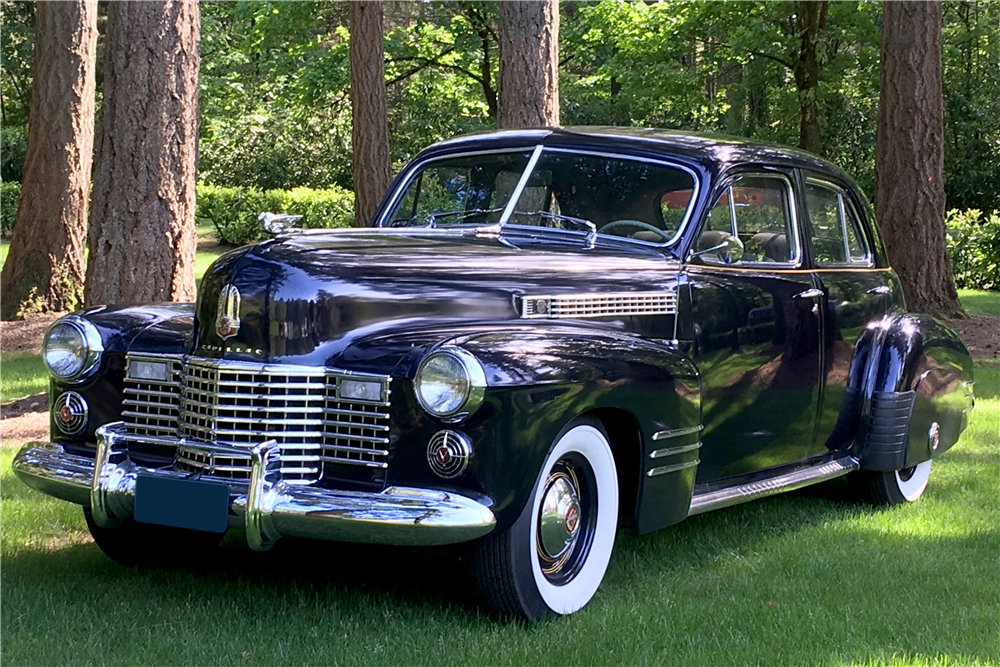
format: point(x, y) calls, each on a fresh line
point(892, 488)
point(553, 558)
point(134, 543)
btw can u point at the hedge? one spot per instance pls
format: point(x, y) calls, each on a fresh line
point(234, 211)
point(8, 206)
point(974, 247)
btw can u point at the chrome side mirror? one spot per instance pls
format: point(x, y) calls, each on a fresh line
point(728, 251)
point(278, 223)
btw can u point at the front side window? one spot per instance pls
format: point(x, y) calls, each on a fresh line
point(618, 196)
point(835, 232)
point(756, 210)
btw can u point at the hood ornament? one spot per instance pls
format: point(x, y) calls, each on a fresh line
point(227, 317)
point(278, 223)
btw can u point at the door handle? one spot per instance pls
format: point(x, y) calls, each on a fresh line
point(812, 293)
point(881, 289)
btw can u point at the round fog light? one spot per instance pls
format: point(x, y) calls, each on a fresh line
point(448, 453)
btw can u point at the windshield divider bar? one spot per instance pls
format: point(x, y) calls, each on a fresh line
point(521, 184)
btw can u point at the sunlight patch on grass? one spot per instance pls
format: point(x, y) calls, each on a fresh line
point(21, 374)
point(980, 302)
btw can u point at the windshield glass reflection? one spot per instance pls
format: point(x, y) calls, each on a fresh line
point(622, 197)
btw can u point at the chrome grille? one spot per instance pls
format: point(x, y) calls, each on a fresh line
point(151, 407)
point(238, 405)
point(578, 306)
point(220, 464)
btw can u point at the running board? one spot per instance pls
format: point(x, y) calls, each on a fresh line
point(734, 495)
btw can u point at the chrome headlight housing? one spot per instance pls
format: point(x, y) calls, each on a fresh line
point(450, 383)
point(72, 348)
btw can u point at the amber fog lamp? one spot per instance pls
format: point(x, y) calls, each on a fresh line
point(450, 383)
point(72, 348)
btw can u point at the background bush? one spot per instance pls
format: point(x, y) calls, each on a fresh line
point(234, 211)
point(974, 246)
point(8, 206)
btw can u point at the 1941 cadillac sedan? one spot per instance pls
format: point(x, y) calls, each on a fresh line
point(544, 336)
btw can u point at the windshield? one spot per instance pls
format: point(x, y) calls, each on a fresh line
point(623, 197)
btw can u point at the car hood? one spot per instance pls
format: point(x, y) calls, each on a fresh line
point(306, 299)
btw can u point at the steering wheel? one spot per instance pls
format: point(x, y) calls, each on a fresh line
point(645, 226)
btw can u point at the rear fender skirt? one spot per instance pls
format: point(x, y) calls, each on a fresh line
point(545, 377)
point(916, 392)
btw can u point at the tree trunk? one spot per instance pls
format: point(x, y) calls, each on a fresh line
point(45, 267)
point(370, 121)
point(529, 64)
point(909, 155)
point(142, 227)
point(810, 19)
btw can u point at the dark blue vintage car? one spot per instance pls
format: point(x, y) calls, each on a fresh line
point(545, 336)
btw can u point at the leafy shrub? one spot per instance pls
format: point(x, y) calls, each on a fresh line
point(13, 144)
point(234, 211)
point(8, 206)
point(974, 246)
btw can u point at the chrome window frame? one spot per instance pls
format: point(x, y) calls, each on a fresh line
point(844, 203)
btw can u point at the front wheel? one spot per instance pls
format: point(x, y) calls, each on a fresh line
point(892, 488)
point(553, 558)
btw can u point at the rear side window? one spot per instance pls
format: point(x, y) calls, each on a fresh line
point(835, 230)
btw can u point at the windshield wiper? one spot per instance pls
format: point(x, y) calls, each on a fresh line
point(432, 218)
point(586, 224)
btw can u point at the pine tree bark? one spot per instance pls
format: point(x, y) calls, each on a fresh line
point(909, 156)
point(142, 226)
point(529, 64)
point(810, 20)
point(370, 120)
point(45, 266)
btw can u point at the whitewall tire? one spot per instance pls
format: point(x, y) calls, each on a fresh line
point(554, 557)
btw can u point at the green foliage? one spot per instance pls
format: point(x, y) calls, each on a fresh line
point(974, 246)
point(13, 144)
point(234, 211)
point(8, 206)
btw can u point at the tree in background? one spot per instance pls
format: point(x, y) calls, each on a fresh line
point(370, 126)
point(45, 267)
point(142, 228)
point(909, 156)
point(529, 64)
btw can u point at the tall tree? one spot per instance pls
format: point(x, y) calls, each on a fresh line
point(370, 122)
point(909, 155)
point(529, 63)
point(810, 19)
point(142, 230)
point(45, 267)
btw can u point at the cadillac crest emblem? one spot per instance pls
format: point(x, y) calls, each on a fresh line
point(227, 318)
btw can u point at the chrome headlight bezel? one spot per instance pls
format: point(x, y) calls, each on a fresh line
point(91, 349)
point(472, 379)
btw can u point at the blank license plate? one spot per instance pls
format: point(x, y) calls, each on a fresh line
point(182, 503)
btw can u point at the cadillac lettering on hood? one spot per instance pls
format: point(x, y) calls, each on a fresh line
point(543, 338)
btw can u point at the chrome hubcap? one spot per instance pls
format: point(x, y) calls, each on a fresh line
point(559, 517)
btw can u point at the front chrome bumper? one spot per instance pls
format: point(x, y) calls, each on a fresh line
point(268, 508)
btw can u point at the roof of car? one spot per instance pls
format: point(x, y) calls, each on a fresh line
point(702, 147)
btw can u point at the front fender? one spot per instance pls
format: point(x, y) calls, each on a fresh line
point(542, 378)
point(916, 391)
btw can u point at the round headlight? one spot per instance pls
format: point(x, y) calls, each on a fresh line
point(450, 383)
point(72, 348)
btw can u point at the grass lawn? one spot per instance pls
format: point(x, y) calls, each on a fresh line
point(979, 302)
point(23, 374)
point(797, 579)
